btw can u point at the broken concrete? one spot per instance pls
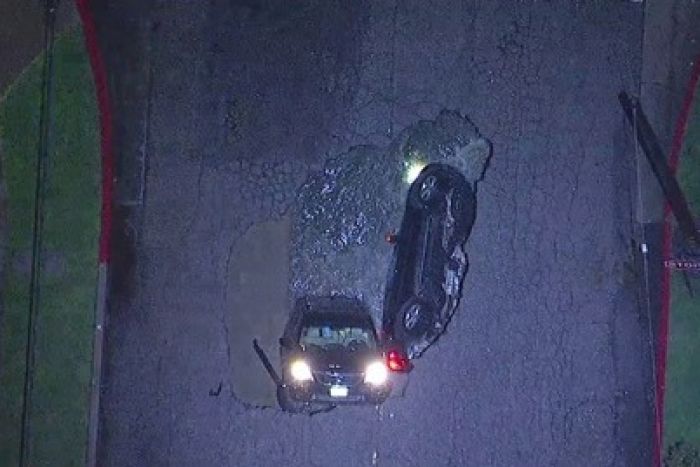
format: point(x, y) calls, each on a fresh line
point(345, 210)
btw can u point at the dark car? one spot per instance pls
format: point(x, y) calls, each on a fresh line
point(429, 262)
point(331, 354)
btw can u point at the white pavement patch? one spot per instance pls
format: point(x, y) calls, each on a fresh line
point(97, 348)
point(258, 307)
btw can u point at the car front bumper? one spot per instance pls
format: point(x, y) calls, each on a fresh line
point(356, 394)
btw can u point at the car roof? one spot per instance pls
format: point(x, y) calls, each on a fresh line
point(337, 318)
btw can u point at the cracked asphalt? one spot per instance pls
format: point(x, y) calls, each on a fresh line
point(225, 110)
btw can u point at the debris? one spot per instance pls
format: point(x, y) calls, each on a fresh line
point(217, 391)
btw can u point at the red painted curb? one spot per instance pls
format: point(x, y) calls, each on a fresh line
point(107, 154)
point(662, 350)
point(99, 74)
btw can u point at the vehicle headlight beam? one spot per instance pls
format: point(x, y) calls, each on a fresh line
point(413, 169)
point(300, 371)
point(376, 373)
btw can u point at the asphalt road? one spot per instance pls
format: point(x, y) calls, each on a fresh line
point(224, 109)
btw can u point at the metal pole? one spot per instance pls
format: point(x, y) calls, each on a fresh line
point(266, 363)
point(650, 144)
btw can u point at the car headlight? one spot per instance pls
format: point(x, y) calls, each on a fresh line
point(413, 169)
point(300, 371)
point(376, 373)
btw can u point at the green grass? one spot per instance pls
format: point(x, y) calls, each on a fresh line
point(65, 318)
point(682, 405)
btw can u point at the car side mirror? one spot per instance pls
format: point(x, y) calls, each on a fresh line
point(287, 343)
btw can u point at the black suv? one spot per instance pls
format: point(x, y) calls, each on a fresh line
point(429, 262)
point(331, 355)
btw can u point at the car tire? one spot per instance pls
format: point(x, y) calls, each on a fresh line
point(414, 320)
point(424, 192)
point(289, 404)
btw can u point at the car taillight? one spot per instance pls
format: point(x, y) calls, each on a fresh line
point(397, 361)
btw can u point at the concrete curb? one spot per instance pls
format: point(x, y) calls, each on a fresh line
point(98, 340)
point(84, 8)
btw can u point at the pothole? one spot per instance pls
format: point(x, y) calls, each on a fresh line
point(345, 210)
point(335, 241)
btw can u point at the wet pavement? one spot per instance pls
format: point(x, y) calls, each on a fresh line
point(231, 113)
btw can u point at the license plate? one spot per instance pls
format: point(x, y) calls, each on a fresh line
point(339, 391)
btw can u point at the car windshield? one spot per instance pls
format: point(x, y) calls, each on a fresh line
point(331, 336)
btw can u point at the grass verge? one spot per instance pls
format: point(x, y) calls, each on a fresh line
point(682, 404)
point(65, 318)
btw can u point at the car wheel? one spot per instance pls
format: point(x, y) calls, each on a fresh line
point(287, 403)
point(414, 319)
point(424, 192)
